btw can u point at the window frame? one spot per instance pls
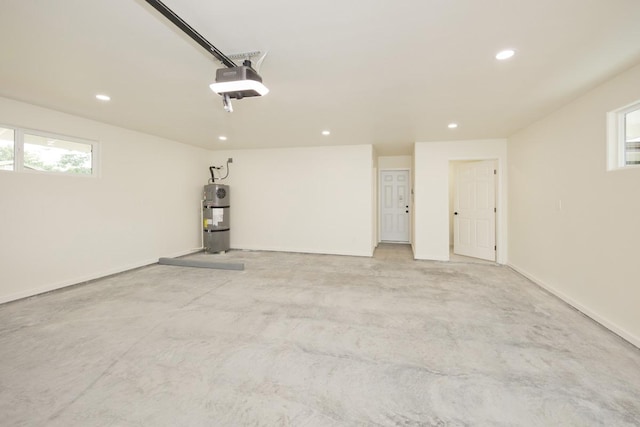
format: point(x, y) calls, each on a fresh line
point(18, 151)
point(15, 137)
point(616, 137)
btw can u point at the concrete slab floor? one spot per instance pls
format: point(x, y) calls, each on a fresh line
point(312, 340)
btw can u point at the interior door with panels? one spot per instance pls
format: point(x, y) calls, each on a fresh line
point(394, 206)
point(474, 228)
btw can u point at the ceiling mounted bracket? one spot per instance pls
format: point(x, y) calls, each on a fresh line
point(234, 82)
point(245, 55)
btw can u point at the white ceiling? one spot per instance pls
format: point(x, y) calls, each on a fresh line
point(372, 71)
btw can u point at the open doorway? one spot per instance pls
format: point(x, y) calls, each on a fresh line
point(473, 208)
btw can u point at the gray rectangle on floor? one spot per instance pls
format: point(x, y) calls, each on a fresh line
point(179, 262)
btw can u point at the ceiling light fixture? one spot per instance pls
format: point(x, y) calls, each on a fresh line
point(326, 132)
point(505, 54)
point(103, 97)
point(235, 81)
point(222, 138)
point(452, 125)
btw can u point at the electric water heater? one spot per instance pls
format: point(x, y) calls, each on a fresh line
point(215, 216)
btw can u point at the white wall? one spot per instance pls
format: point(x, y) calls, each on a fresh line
point(316, 200)
point(374, 201)
point(394, 162)
point(431, 199)
point(585, 251)
point(412, 209)
point(60, 230)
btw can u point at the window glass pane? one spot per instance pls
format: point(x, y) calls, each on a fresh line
point(56, 155)
point(632, 137)
point(7, 138)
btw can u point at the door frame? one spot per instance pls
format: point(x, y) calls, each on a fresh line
point(500, 215)
point(379, 213)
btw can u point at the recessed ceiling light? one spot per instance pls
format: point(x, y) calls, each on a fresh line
point(452, 125)
point(505, 54)
point(102, 97)
point(326, 132)
point(222, 138)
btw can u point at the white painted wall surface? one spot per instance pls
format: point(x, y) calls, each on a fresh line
point(315, 200)
point(374, 201)
point(394, 162)
point(61, 230)
point(413, 200)
point(431, 199)
point(586, 250)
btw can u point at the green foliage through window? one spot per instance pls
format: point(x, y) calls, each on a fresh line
point(45, 152)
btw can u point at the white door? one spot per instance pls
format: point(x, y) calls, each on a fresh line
point(474, 220)
point(394, 206)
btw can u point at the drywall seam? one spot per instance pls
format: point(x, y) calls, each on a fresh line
point(621, 332)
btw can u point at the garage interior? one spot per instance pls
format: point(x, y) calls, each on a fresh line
point(339, 316)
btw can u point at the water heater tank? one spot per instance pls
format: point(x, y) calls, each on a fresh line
point(215, 214)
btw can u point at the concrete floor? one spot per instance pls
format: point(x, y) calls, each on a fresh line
point(461, 258)
point(312, 340)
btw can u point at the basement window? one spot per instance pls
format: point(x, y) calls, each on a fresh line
point(35, 151)
point(54, 154)
point(7, 148)
point(624, 137)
